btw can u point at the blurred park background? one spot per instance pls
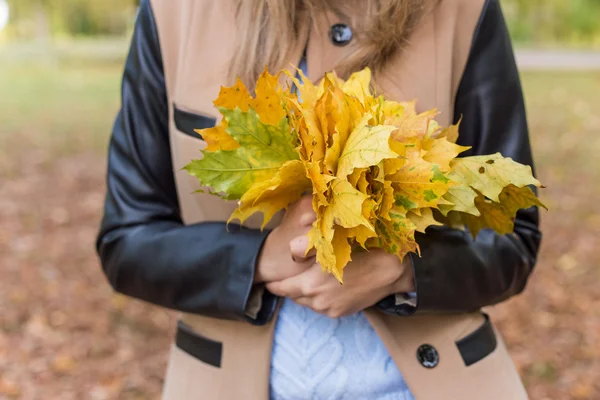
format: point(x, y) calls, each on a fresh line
point(64, 334)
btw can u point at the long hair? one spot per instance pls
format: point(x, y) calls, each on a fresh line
point(269, 30)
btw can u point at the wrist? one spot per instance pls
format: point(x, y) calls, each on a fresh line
point(405, 282)
point(389, 273)
point(262, 268)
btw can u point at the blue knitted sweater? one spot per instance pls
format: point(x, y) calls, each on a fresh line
point(316, 357)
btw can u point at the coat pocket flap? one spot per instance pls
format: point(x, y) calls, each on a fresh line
point(187, 122)
point(478, 344)
point(197, 346)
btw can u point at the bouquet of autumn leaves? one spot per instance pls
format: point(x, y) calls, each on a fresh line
point(378, 171)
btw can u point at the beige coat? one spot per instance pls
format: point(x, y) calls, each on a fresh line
point(197, 40)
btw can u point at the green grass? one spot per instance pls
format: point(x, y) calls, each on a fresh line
point(554, 23)
point(564, 121)
point(96, 50)
point(61, 105)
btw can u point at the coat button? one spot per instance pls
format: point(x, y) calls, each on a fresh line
point(428, 356)
point(340, 34)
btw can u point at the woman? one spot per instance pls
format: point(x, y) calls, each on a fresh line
point(393, 330)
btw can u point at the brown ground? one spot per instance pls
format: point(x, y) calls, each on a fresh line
point(64, 335)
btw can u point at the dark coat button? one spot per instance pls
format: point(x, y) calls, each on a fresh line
point(340, 34)
point(428, 356)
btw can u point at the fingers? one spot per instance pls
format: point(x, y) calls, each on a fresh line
point(286, 288)
point(312, 254)
point(305, 302)
point(317, 291)
point(307, 218)
point(306, 201)
point(306, 284)
point(304, 213)
point(324, 307)
point(298, 247)
point(298, 285)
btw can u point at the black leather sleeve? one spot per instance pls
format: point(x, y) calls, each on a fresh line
point(145, 249)
point(455, 273)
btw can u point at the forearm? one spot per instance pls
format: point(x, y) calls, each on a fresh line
point(458, 274)
point(200, 268)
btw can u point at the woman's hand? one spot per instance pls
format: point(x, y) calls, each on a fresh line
point(370, 277)
point(282, 255)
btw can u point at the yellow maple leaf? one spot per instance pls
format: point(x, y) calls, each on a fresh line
point(320, 182)
point(325, 253)
point(390, 111)
point(333, 253)
point(409, 148)
point(343, 112)
point(358, 85)
point(451, 133)
point(361, 234)
point(343, 251)
point(356, 174)
point(346, 205)
point(267, 103)
point(305, 122)
point(419, 184)
point(366, 146)
point(323, 112)
point(217, 138)
point(371, 212)
point(309, 92)
point(299, 127)
point(269, 99)
point(440, 151)
point(358, 179)
point(492, 215)
point(500, 215)
point(422, 218)
point(345, 210)
point(397, 235)
point(490, 174)
point(393, 165)
point(387, 200)
point(275, 194)
point(234, 96)
point(417, 125)
point(515, 198)
point(410, 107)
point(460, 197)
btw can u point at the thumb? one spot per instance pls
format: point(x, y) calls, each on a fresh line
point(298, 247)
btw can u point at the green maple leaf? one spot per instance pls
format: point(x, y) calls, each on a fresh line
point(263, 150)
